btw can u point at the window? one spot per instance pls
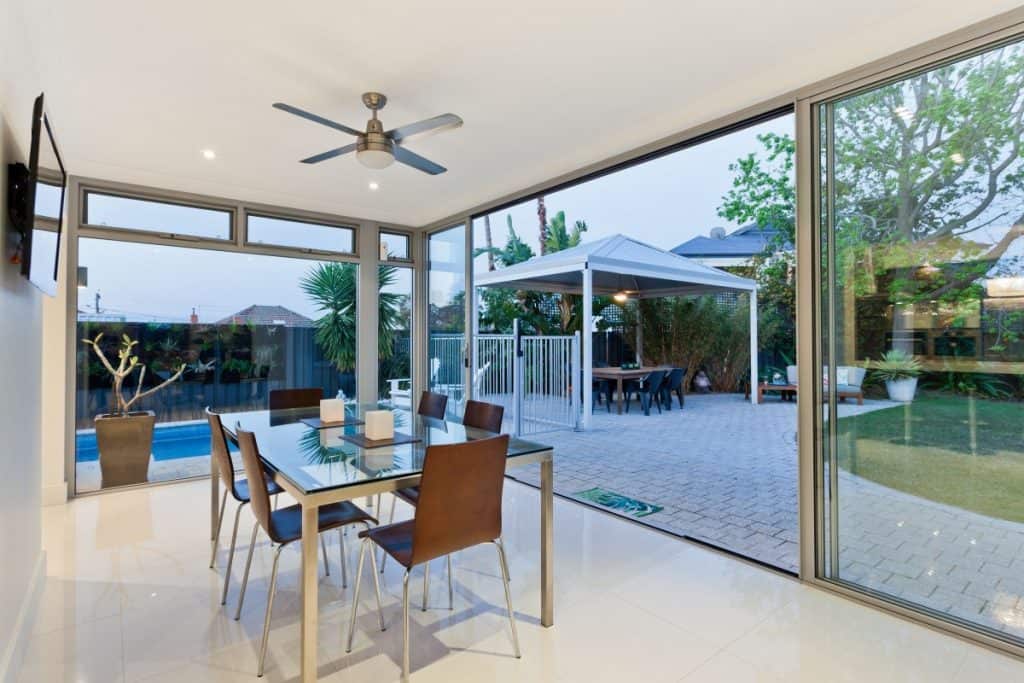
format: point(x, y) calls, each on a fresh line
point(281, 232)
point(48, 200)
point(922, 291)
point(394, 246)
point(129, 213)
point(241, 324)
point(395, 330)
point(446, 319)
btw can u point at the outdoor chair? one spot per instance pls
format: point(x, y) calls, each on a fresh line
point(673, 384)
point(647, 390)
point(599, 388)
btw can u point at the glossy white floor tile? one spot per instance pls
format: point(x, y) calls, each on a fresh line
point(129, 598)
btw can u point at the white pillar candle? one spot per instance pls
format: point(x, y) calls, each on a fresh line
point(332, 410)
point(380, 424)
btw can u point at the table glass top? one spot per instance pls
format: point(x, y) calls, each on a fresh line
point(319, 459)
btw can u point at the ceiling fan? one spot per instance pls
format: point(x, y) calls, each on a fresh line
point(379, 148)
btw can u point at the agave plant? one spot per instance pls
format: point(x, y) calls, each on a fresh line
point(896, 365)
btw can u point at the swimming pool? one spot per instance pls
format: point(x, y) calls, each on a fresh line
point(170, 442)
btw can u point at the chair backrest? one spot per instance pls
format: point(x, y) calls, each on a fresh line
point(283, 399)
point(460, 497)
point(486, 416)
point(791, 375)
point(654, 380)
point(256, 474)
point(675, 378)
point(219, 451)
point(433, 405)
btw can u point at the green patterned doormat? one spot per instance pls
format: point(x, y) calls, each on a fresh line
point(618, 502)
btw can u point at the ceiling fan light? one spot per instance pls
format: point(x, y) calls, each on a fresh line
point(375, 158)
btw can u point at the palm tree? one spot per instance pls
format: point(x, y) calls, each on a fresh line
point(558, 239)
point(332, 287)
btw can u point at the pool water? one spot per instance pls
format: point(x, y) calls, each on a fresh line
point(170, 442)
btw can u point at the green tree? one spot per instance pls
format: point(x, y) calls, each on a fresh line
point(332, 288)
point(763, 192)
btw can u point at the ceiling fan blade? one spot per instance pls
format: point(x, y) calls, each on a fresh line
point(416, 161)
point(435, 124)
point(324, 156)
point(316, 119)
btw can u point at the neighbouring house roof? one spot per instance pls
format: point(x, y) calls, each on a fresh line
point(618, 263)
point(258, 314)
point(747, 241)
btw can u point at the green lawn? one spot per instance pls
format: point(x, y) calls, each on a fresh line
point(925, 449)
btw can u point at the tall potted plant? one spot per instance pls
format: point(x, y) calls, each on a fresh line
point(125, 437)
point(899, 370)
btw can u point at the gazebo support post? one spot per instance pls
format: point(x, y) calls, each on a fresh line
point(587, 382)
point(753, 346)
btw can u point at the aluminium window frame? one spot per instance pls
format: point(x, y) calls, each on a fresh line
point(407, 234)
point(156, 197)
point(307, 219)
point(364, 231)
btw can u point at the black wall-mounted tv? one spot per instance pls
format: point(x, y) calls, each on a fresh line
point(36, 203)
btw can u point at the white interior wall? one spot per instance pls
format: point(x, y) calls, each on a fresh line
point(21, 327)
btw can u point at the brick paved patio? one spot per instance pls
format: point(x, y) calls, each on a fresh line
point(726, 472)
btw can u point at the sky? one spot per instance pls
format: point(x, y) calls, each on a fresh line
point(663, 202)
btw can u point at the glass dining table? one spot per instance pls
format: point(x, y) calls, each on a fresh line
point(316, 466)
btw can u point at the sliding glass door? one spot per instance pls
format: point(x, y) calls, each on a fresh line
point(921, 243)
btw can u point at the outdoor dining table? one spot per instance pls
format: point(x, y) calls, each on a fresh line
point(619, 375)
point(317, 467)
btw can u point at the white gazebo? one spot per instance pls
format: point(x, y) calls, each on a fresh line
point(621, 265)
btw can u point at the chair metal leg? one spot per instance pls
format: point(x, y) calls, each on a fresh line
point(391, 519)
point(341, 552)
point(355, 595)
point(426, 584)
point(503, 561)
point(231, 556)
point(270, 608)
point(323, 547)
point(405, 627)
point(376, 587)
point(451, 590)
point(220, 522)
point(245, 576)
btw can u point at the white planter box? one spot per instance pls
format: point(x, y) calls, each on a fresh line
point(901, 389)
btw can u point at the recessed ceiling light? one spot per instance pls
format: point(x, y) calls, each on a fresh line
point(956, 158)
point(374, 185)
point(904, 113)
point(209, 154)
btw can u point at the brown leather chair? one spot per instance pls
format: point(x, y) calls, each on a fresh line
point(459, 507)
point(284, 526)
point(238, 488)
point(284, 399)
point(432, 405)
point(240, 491)
point(480, 415)
point(486, 416)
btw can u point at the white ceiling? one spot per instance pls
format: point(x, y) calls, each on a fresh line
point(137, 89)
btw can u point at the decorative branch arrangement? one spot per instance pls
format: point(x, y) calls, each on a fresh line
point(127, 363)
